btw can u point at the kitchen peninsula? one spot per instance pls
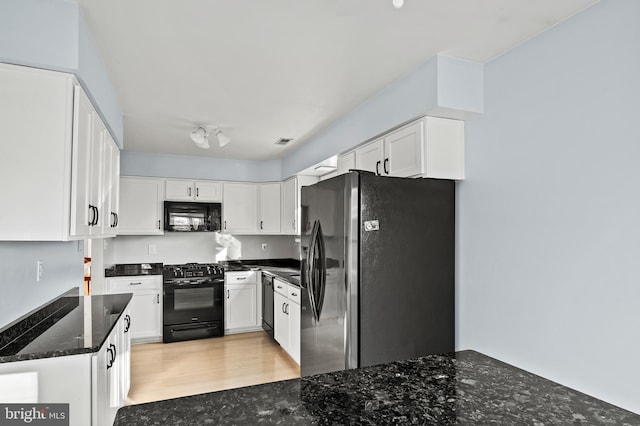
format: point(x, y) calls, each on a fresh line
point(462, 388)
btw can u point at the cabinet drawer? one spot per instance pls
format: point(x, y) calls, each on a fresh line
point(241, 277)
point(281, 287)
point(293, 293)
point(132, 284)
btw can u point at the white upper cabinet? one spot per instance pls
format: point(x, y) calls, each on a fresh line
point(270, 208)
point(240, 208)
point(429, 147)
point(291, 202)
point(370, 157)
point(289, 206)
point(141, 206)
point(81, 213)
point(251, 208)
point(403, 151)
point(188, 190)
point(346, 162)
point(111, 187)
point(48, 135)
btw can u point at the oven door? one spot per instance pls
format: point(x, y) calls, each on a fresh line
point(193, 303)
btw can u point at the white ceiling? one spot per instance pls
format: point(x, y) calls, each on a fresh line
point(265, 69)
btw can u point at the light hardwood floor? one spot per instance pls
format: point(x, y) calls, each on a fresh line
point(162, 371)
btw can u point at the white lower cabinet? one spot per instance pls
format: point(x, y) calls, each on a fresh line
point(280, 320)
point(286, 321)
point(145, 306)
point(241, 309)
point(111, 373)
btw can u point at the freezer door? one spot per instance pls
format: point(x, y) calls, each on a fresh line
point(407, 251)
point(323, 335)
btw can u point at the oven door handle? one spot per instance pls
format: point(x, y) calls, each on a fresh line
point(173, 287)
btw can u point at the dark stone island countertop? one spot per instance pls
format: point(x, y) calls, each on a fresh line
point(466, 388)
point(67, 325)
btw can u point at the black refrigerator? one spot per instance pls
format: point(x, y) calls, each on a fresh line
point(377, 270)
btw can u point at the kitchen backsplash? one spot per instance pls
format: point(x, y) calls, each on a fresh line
point(201, 247)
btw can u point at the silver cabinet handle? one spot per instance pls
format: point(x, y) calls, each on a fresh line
point(197, 192)
point(294, 294)
point(189, 192)
point(225, 224)
point(158, 224)
point(241, 278)
point(158, 298)
point(138, 283)
point(227, 294)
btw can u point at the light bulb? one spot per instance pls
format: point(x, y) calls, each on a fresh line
point(398, 3)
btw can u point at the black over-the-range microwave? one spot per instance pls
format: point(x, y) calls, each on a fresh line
point(185, 216)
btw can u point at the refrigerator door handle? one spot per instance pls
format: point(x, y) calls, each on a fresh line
point(310, 270)
point(322, 271)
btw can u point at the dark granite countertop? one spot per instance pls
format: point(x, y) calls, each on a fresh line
point(466, 388)
point(67, 325)
point(133, 269)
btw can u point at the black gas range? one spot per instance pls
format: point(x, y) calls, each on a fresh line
point(193, 305)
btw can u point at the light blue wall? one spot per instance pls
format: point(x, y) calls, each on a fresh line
point(182, 166)
point(63, 270)
point(39, 33)
point(53, 34)
point(549, 213)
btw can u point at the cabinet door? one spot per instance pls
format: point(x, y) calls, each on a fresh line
point(179, 190)
point(270, 207)
point(241, 307)
point(146, 316)
point(100, 385)
point(111, 183)
point(294, 331)
point(96, 171)
point(81, 212)
point(140, 206)
point(208, 191)
point(126, 322)
point(240, 208)
point(403, 151)
point(345, 162)
point(289, 206)
point(369, 157)
point(280, 320)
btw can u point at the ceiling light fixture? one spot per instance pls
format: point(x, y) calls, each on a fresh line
point(398, 3)
point(201, 137)
point(222, 138)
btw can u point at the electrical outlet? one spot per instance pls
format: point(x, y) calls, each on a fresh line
point(152, 249)
point(39, 270)
point(264, 246)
